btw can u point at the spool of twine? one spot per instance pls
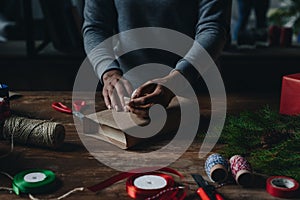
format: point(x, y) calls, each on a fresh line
point(42, 133)
point(241, 170)
point(216, 168)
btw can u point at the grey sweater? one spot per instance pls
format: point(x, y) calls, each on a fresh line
point(206, 21)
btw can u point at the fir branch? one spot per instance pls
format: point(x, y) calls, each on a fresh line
point(245, 134)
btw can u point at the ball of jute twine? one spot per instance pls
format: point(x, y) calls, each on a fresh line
point(33, 132)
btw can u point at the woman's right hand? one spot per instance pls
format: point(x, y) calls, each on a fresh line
point(115, 88)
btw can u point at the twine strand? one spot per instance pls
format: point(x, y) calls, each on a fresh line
point(7, 175)
point(79, 189)
point(10, 190)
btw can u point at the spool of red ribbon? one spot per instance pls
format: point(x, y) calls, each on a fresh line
point(150, 185)
point(4, 102)
point(282, 186)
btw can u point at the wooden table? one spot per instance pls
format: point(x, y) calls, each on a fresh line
point(75, 167)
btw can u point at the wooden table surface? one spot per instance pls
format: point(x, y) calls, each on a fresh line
point(75, 167)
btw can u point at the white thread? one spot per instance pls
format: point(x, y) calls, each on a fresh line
point(6, 189)
point(62, 196)
point(70, 192)
point(165, 191)
point(6, 174)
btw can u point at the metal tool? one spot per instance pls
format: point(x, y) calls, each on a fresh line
point(205, 190)
point(78, 105)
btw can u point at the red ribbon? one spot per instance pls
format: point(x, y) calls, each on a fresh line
point(281, 190)
point(169, 192)
point(4, 108)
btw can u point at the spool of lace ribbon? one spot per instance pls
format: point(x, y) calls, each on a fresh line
point(42, 133)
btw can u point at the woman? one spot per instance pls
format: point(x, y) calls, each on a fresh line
point(206, 21)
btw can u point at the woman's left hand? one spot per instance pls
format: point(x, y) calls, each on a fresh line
point(150, 93)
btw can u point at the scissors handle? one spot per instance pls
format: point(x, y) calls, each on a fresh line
point(219, 197)
point(61, 107)
point(204, 196)
point(78, 105)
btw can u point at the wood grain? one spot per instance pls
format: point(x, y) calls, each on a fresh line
point(75, 167)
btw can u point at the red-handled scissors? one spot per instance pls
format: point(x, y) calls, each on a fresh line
point(206, 191)
point(78, 105)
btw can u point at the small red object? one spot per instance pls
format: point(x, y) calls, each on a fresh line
point(241, 170)
point(286, 36)
point(282, 186)
point(136, 193)
point(4, 108)
point(274, 35)
point(206, 191)
point(77, 105)
point(202, 194)
point(290, 95)
point(61, 107)
point(168, 193)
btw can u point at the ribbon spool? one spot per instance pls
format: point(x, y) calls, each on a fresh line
point(150, 186)
point(282, 186)
point(34, 181)
point(241, 170)
point(4, 102)
point(216, 168)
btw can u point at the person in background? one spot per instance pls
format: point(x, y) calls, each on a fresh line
point(206, 21)
point(241, 34)
point(10, 20)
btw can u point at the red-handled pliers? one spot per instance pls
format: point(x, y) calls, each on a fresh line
point(65, 109)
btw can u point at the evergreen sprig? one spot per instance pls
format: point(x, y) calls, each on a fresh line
point(269, 140)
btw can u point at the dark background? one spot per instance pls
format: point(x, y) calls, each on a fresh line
point(41, 49)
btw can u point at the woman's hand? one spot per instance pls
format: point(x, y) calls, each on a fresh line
point(152, 92)
point(115, 88)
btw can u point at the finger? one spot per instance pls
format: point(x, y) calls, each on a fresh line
point(114, 102)
point(146, 106)
point(106, 99)
point(120, 90)
point(141, 113)
point(114, 99)
point(128, 87)
point(117, 95)
point(147, 100)
point(144, 89)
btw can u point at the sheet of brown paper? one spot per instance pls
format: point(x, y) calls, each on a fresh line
point(112, 126)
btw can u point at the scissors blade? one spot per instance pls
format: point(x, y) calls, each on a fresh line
point(78, 114)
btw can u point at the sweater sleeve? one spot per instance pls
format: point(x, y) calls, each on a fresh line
point(99, 24)
point(212, 32)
